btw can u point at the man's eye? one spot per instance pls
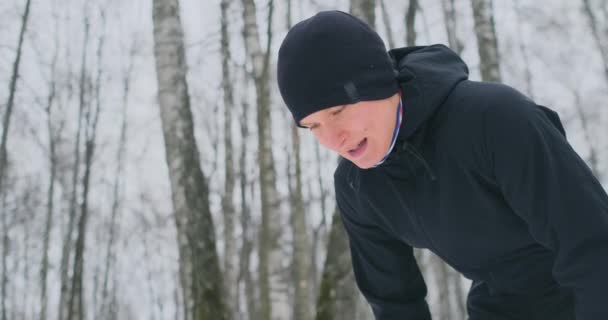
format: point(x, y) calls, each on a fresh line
point(338, 111)
point(314, 126)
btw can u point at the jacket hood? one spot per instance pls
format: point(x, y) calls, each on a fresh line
point(427, 75)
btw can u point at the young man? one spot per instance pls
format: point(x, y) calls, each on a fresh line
point(474, 171)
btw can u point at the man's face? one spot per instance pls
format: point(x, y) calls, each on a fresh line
point(359, 132)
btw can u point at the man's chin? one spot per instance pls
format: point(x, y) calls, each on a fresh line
point(361, 164)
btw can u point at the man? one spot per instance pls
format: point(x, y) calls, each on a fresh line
point(474, 171)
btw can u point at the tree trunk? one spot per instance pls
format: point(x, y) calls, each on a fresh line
point(387, 25)
point(52, 177)
point(524, 52)
point(270, 256)
point(199, 264)
point(301, 267)
point(76, 303)
point(66, 252)
point(451, 23)
point(410, 23)
point(319, 235)
point(365, 10)
point(338, 295)
point(487, 43)
point(244, 276)
point(12, 90)
point(600, 41)
point(5, 250)
point(117, 191)
point(229, 182)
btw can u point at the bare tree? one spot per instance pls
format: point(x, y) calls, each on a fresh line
point(200, 276)
point(410, 23)
point(268, 251)
point(320, 231)
point(117, 189)
point(337, 293)
point(524, 51)
point(487, 44)
point(52, 176)
point(244, 274)
point(12, 90)
point(365, 10)
point(451, 23)
point(66, 286)
point(601, 40)
point(91, 118)
point(5, 251)
point(301, 266)
point(387, 24)
point(299, 227)
point(230, 180)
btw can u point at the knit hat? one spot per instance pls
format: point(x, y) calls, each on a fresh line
point(332, 59)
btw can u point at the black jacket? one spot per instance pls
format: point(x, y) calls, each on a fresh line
point(483, 177)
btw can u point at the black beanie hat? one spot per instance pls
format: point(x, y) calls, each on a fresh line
point(331, 59)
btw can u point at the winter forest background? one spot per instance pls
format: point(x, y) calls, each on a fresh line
point(148, 169)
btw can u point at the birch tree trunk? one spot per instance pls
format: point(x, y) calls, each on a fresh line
point(269, 251)
point(12, 90)
point(487, 44)
point(301, 267)
point(301, 245)
point(229, 181)
point(451, 24)
point(200, 274)
point(244, 276)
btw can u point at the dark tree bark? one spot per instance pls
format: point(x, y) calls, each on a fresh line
point(338, 296)
point(410, 23)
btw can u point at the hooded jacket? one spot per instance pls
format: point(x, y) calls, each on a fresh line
point(484, 178)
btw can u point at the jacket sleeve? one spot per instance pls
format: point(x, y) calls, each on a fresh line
point(385, 268)
point(549, 186)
